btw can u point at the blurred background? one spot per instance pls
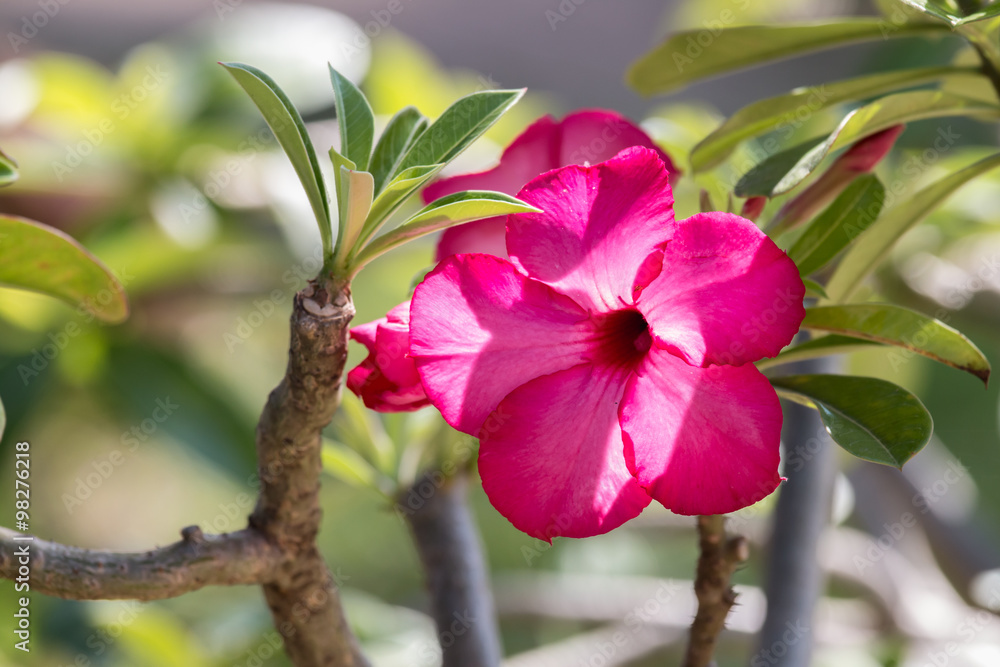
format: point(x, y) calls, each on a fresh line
point(132, 140)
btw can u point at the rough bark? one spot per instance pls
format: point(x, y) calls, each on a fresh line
point(278, 550)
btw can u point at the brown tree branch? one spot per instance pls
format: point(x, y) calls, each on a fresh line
point(718, 560)
point(452, 557)
point(244, 557)
point(302, 597)
point(278, 550)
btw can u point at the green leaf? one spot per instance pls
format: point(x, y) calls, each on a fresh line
point(681, 59)
point(448, 211)
point(873, 246)
point(339, 162)
point(934, 8)
point(991, 12)
point(770, 114)
point(866, 120)
point(401, 188)
point(760, 180)
point(36, 257)
point(833, 230)
point(358, 187)
point(814, 289)
point(818, 347)
point(286, 124)
point(347, 465)
point(8, 170)
point(355, 119)
point(460, 124)
point(902, 327)
point(873, 419)
point(402, 130)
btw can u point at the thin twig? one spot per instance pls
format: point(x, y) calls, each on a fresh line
point(452, 556)
point(718, 560)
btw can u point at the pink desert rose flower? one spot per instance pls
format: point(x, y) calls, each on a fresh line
point(387, 379)
point(588, 136)
point(607, 362)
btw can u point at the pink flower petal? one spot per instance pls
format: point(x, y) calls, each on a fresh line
point(590, 135)
point(594, 135)
point(480, 329)
point(701, 440)
point(551, 455)
point(598, 226)
point(726, 295)
point(387, 380)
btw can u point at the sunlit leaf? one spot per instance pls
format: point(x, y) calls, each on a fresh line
point(287, 126)
point(681, 59)
point(874, 244)
point(358, 187)
point(347, 465)
point(448, 211)
point(36, 257)
point(872, 419)
point(879, 115)
point(401, 188)
point(8, 170)
point(355, 120)
point(461, 124)
point(851, 213)
point(814, 289)
point(818, 347)
point(901, 327)
point(402, 130)
point(769, 114)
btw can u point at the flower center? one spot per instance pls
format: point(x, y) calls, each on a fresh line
point(622, 338)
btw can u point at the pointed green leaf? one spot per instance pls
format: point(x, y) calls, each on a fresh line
point(786, 110)
point(36, 257)
point(851, 213)
point(879, 115)
point(8, 170)
point(682, 59)
point(902, 327)
point(448, 211)
point(399, 135)
point(339, 162)
point(873, 419)
point(760, 180)
point(401, 188)
point(287, 126)
point(818, 347)
point(872, 247)
point(355, 120)
point(354, 207)
point(347, 465)
point(460, 124)
point(991, 12)
point(935, 8)
point(814, 289)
